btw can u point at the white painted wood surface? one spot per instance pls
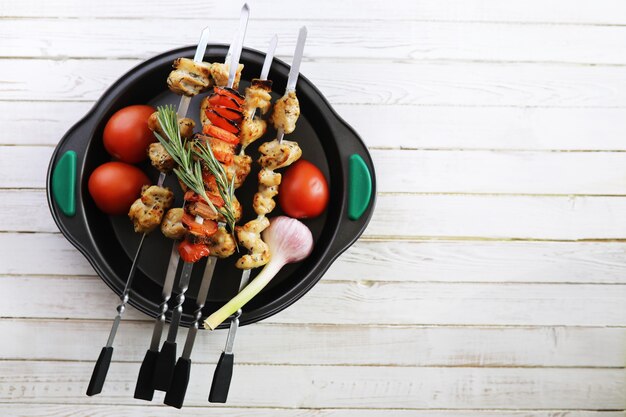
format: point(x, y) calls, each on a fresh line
point(491, 279)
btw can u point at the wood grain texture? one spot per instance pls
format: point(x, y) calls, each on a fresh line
point(467, 84)
point(556, 11)
point(389, 260)
point(491, 279)
point(438, 216)
point(360, 301)
point(94, 410)
point(382, 39)
point(373, 387)
point(317, 344)
point(415, 127)
point(476, 172)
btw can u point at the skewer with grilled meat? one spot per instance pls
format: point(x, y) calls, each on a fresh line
point(274, 155)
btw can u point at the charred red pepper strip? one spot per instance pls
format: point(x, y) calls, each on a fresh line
point(224, 101)
point(230, 92)
point(221, 134)
point(191, 252)
point(208, 228)
point(222, 122)
point(194, 198)
point(233, 115)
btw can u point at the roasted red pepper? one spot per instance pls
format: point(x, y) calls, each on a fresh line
point(207, 228)
point(221, 134)
point(190, 252)
point(193, 197)
point(222, 122)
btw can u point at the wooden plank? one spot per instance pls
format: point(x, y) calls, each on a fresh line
point(336, 344)
point(330, 386)
point(475, 84)
point(432, 216)
point(423, 127)
point(556, 11)
point(94, 410)
point(260, 9)
point(492, 172)
point(411, 261)
point(379, 39)
point(359, 302)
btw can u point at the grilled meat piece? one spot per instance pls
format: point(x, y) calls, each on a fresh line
point(250, 237)
point(239, 168)
point(159, 158)
point(186, 126)
point(147, 211)
point(172, 225)
point(286, 112)
point(279, 155)
point(189, 78)
point(221, 243)
point(219, 74)
point(251, 130)
point(258, 96)
point(263, 201)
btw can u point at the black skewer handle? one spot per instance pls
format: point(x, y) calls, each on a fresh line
point(164, 369)
point(221, 378)
point(144, 390)
point(175, 396)
point(100, 370)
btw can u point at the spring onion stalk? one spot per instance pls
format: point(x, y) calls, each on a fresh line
point(289, 241)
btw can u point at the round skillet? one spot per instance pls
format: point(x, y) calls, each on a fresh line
point(109, 243)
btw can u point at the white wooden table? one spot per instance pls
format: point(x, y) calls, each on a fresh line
point(491, 280)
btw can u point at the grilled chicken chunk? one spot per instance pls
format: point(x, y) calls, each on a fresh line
point(186, 126)
point(263, 201)
point(286, 112)
point(189, 78)
point(250, 237)
point(279, 155)
point(240, 168)
point(251, 130)
point(221, 244)
point(159, 158)
point(219, 73)
point(172, 225)
point(147, 211)
point(258, 95)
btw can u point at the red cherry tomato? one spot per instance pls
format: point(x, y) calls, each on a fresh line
point(191, 252)
point(114, 186)
point(303, 191)
point(127, 136)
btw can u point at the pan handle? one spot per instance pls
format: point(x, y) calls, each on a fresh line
point(64, 183)
point(359, 187)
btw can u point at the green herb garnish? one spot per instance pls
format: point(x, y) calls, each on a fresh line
point(189, 170)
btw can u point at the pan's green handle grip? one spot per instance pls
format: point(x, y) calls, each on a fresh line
point(64, 183)
point(359, 187)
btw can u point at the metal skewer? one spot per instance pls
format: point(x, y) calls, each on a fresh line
point(175, 396)
point(166, 360)
point(224, 369)
point(103, 362)
point(176, 393)
point(144, 389)
point(294, 71)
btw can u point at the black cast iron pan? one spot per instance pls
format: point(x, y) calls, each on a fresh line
point(109, 243)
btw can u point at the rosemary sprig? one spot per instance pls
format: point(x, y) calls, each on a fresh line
point(225, 188)
point(189, 170)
